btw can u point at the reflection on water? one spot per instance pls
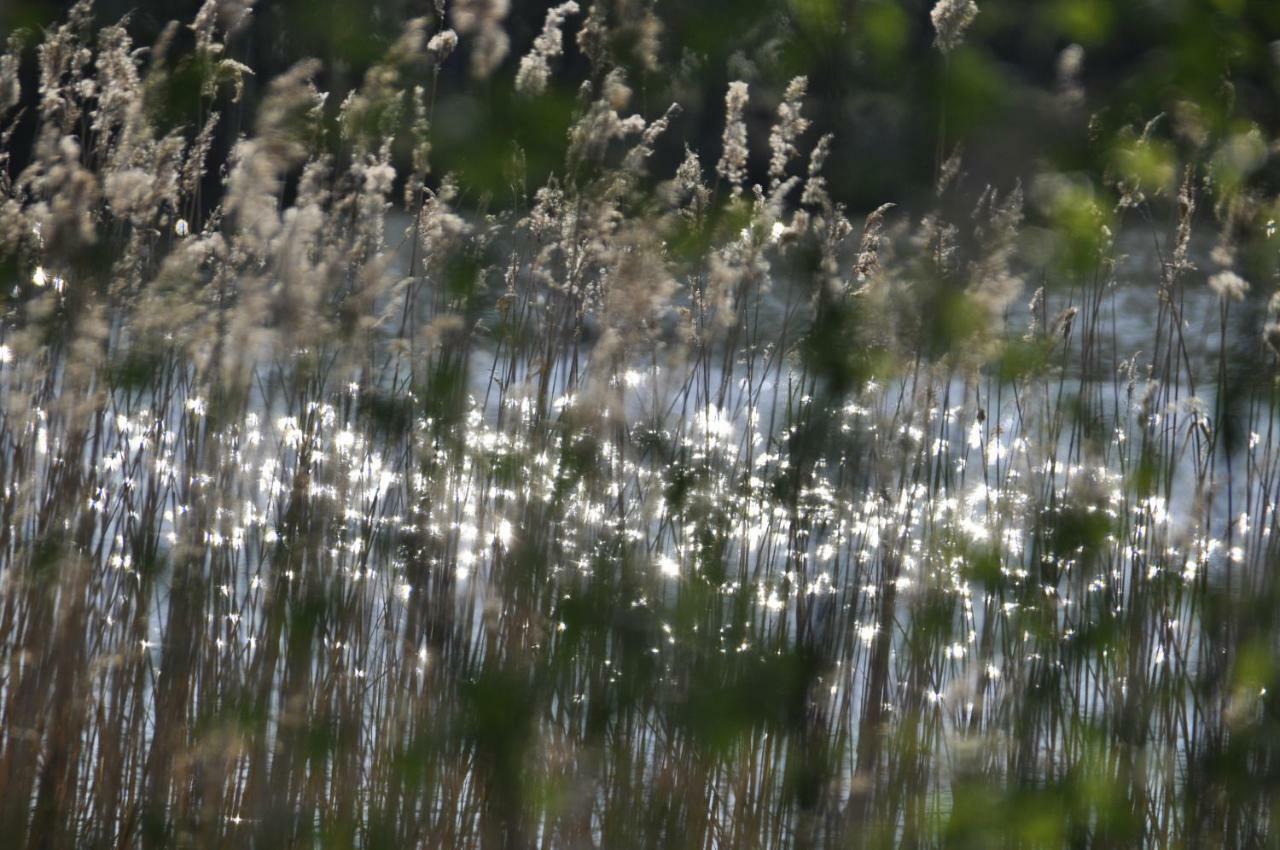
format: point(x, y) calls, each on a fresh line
point(671, 563)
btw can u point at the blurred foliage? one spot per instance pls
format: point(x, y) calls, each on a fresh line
point(875, 80)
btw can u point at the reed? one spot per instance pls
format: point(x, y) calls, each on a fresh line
point(349, 505)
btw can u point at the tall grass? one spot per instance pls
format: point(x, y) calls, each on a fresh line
point(637, 510)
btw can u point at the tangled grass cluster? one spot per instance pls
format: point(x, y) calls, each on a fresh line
point(643, 511)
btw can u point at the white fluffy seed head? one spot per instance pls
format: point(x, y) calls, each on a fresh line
point(950, 20)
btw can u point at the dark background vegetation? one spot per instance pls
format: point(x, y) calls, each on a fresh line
point(875, 79)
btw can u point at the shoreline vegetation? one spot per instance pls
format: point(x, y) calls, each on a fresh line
point(348, 504)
